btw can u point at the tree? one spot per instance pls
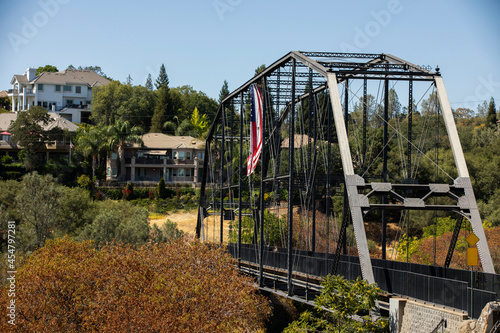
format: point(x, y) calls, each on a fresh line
point(116, 101)
point(28, 131)
point(224, 91)
point(37, 202)
point(129, 80)
point(91, 142)
point(46, 68)
point(162, 109)
point(199, 124)
point(344, 298)
point(121, 133)
point(162, 80)
point(260, 69)
point(117, 221)
point(162, 191)
point(149, 82)
point(184, 286)
point(491, 116)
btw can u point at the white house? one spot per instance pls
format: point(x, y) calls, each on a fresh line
point(68, 93)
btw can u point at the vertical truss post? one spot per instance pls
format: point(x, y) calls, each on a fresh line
point(222, 155)
point(312, 183)
point(365, 119)
point(203, 199)
point(410, 125)
point(463, 179)
point(384, 166)
point(328, 185)
point(291, 148)
point(351, 180)
point(345, 207)
point(453, 242)
point(240, 180)
point(262, 175)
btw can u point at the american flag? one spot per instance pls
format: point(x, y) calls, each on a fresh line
point(256, 129)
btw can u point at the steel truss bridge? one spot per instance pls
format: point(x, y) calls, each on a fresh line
point(340, 152)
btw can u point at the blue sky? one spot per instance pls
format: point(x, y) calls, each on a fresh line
point(203, 42)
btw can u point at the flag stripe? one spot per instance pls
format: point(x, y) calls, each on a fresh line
point(256, 130)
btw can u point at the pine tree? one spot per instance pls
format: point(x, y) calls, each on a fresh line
point(129, 80)
point(162, 108)
point(491, 116)
point(162, 80)
point(224, 91)
point(149, 82)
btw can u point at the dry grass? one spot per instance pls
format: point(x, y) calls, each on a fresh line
point(186, 221)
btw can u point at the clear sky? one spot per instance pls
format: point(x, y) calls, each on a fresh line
point(204, 42)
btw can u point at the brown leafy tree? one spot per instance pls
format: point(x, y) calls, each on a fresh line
point(184, 286)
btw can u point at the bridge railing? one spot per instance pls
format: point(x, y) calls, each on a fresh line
point(439, 285)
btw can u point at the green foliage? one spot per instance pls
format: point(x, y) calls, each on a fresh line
point(46, 68)
point(443, 224)
point(37, 201)
point(128, 192)
point(162, 80)
point(162, 191)
point(28, 131)
point(85, 182)
point(6, 159)
point(224, 91)
point(119, 221)
point(166, 233)
point(199, 124)
point(343, 298)
point(491, 116)
point(406, 248)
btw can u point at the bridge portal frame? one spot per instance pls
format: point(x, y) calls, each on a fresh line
point(335, 68)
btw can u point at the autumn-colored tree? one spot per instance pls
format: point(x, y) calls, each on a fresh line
point(184, 286)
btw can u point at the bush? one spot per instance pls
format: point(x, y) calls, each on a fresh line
point(6, 159)
point(69, 286)
point(128, 192)
point(162, 191)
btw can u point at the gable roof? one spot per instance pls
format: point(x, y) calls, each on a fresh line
point(68, 76)
point(163, 141)
point(57, 121)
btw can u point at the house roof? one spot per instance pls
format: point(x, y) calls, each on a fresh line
point(72, 76)
point(68, 76)
point(3, 93)
point(160, 141)
point(57, 121)
point(5, 120)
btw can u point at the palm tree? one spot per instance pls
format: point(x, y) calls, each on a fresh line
point(91, 142)
point(119, 134)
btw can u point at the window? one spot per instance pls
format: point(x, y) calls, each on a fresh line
point(181, 155)
point(58, 87)
point(201, 156)
point(188, 172)
point(175, 155)
point(44, 104)
point(174, 172)
point(69, 102)
point(78, 89)
point(188, 155)
point(40, 86)
point(67, 88)
point(181, 173)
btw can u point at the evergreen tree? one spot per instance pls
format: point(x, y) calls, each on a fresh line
point(491, 116)
point(149, 82)
point(162, 108)
point(129, 80)
point(224, 91)
point(162, 80)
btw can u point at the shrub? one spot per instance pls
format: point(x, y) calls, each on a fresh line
point(162, 191)
point(69, 286)
point(6, 159)
point(128, 192)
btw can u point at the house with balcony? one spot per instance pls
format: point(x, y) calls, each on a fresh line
point(176, 159)
point(54, 150)
point(67, 93)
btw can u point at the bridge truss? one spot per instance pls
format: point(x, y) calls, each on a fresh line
point(338, 148)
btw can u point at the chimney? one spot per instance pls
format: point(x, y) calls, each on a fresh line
point(30, 74)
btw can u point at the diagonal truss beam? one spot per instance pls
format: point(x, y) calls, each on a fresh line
point(351, 181)
point(463, 179)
